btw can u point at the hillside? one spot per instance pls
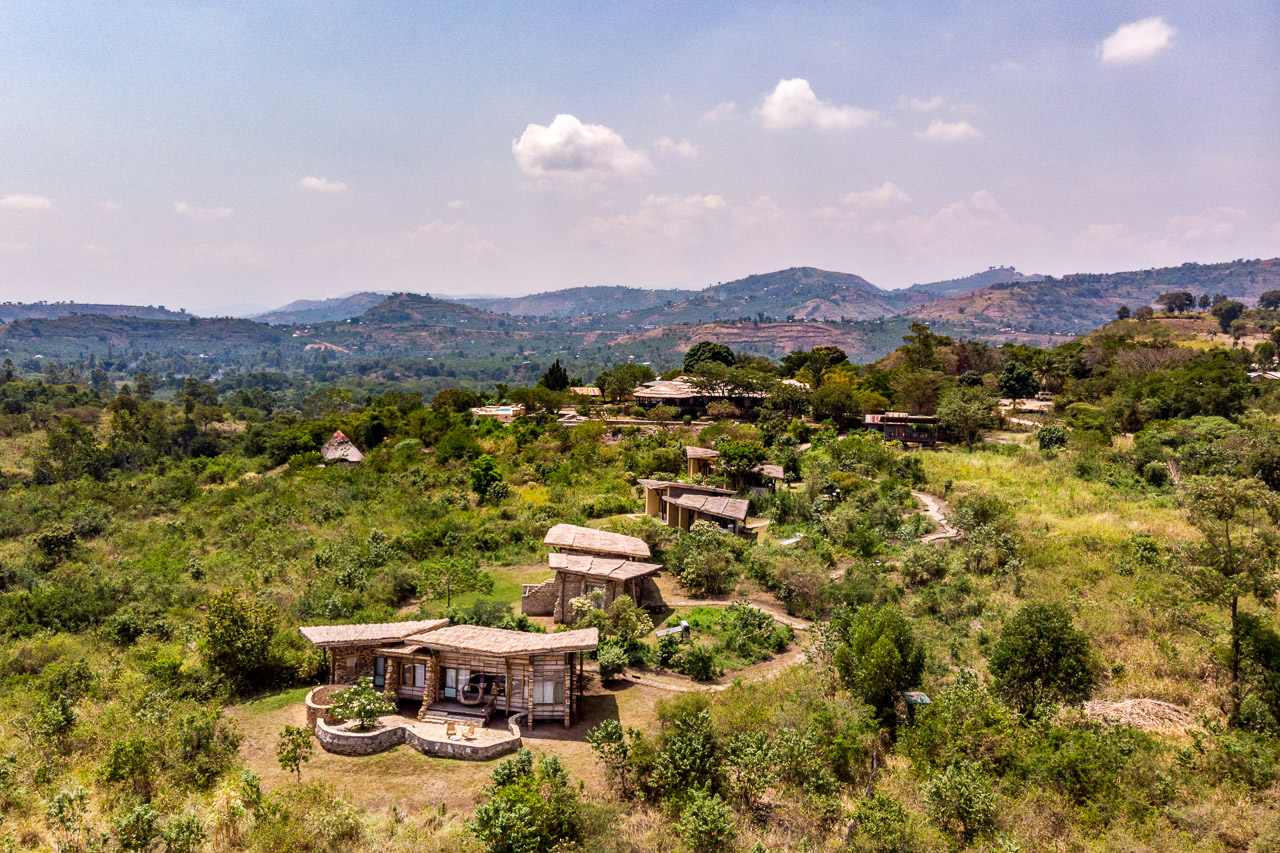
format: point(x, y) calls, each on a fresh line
point(578, 301)
point(416, 310)
point(75, 333)
point(10, 311)
point(970, 283)
point(1078, 303)
point(306, 311)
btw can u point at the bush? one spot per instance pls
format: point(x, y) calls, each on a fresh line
point(1051, 436)
point(706, 823)
point(528, 811)
point(698, 662)
point(962, 801)
point(882, 825)
point(612, 659)
point(1041, 658)
point(363, 704)
point(705, 559)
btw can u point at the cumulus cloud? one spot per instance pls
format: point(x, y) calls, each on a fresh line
point(10, 248)
point(684, 148)
point(1104, 236)
point(568, 148)
point(925, 105)
point(956, 225)
point(456, 204)
point(109, 205)
point(202, 214)
point(886, 193)
point(721, 111)
point(688, 221)
point(458, 236)
point(26, 202)
point(1206, 227)
point(1136, 42)
point(322, 185)
point(792, 103)
point(949, 131)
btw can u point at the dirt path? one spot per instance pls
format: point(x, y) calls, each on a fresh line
point(933, 509)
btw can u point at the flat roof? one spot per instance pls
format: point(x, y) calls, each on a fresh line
point(734, 508)
point(369, 633)
point(691, 452)
point(610, 568)
point(499, 641)
point(590, 539)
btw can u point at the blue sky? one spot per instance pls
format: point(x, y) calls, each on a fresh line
point(219, 156)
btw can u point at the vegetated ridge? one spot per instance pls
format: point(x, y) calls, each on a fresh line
point(10, 311)
point(578, 301)
point(304, 311)
point(1081, 302)
point(957, 286)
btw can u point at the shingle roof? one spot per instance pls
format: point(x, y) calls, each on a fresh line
point(700, 453)
point(376, 632)
point(588, 539)
point(773, 472)
point(671, 389)
point(688, 487)
point(734, 508)
point(612, 568)
point(340, 447)
point(499, 641)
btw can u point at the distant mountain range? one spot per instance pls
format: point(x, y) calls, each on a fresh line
point(770, 313)
point(1079, 303)
point(10, 311)
point(304, 311)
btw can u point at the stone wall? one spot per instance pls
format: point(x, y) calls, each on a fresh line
point(319, 701)
point(540, 599)
point(367, 743)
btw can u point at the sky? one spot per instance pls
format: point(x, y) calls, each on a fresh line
point(225, 157)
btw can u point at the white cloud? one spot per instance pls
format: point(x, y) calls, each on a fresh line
point(26, 202)
point(234, 254)
point(1136, 42)
point(949, 131)
point(322, 185)
point(109, 205)
point(721, 111)
point(570, 149)
point(925, 105)
point(1107, 236)
point(886, 193)
point(456, 204)
point(1207, 227)
point(459, 236)
point(955, 226)
point(9, 248)
point(684, 148)
point(203, 214)
point(792, 103)
point(690, 221)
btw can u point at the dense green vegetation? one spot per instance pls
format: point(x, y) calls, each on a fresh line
point(157, 556)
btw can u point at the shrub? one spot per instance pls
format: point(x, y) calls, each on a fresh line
point(1051, 436)
point(612, 659)
point(528, 811)
point(698, 662)
point(706, 823)
point(882, 825)
point(878, 655)
point(705, 558)
point(923, 563)
point(962, 801)
point(1041, 658)
point(363, 704)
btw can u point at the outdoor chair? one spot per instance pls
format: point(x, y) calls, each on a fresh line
point(468, 731)
point(451, 731)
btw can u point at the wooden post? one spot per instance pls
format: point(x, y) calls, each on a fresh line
point(506, 688)
point(568, 690)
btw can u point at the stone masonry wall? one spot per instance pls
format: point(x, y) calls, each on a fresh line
point(540, 599)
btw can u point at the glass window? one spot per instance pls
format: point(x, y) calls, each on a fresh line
point(379, 673)
point(406, 675)
point(419, 675)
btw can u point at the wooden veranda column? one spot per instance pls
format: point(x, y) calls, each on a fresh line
point(568, 691)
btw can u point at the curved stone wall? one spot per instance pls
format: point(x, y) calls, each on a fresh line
point(342, 742)
point(319, 701)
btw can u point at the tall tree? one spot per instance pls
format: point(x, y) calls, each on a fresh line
point(705, 351)
point(450, 576)
point(556, 378)
point(965, 411)
point(1041, 658)
point(1237, 555)
point(1227, 312)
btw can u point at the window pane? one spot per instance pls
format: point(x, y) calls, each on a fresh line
point(419, 675)
point(558, 687)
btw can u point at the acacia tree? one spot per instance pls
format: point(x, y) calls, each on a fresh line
point(453, 576)
point(1237, 556)
point(293, 749)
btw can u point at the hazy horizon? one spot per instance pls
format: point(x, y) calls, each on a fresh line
point(215, 157)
